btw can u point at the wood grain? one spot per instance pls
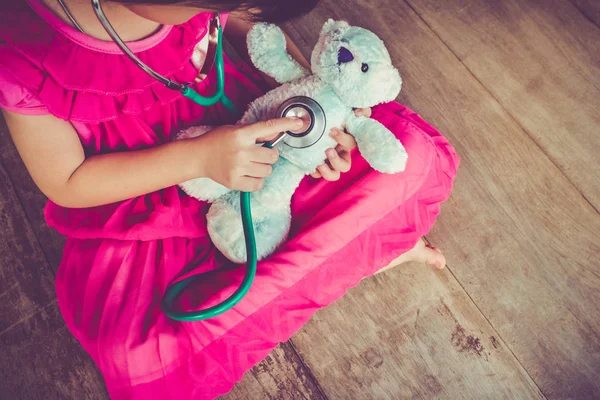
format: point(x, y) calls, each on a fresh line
point(410, 333)
point(31, 199)
point(541, 60)
point(536, 255)
point(590, 9)
point(514, 85)
point(40, 359)
point(519, 236)
point(282, 375)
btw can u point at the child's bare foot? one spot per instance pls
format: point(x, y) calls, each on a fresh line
point(422, 252)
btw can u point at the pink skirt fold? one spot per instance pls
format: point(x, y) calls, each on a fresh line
point(109, 290)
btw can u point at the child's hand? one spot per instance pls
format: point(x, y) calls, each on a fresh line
point(338, 159)
point(230, 156)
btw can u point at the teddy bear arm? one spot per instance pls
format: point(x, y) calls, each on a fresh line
point(267, 49)
point(382, 150)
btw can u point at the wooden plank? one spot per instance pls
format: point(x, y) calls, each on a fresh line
point(465, 99)
point(590, 9)
point(410, 333)
point(40, 359)
point(280, 376)
point(31, 198)
point(518, 235)
point(536, 255)
point(541, 60)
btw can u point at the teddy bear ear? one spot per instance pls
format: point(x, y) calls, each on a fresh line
point(331, 25)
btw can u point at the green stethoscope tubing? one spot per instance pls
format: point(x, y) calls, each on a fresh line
point(174, 290)
point(220, 93)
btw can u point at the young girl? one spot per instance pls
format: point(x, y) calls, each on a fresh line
point(95, 133)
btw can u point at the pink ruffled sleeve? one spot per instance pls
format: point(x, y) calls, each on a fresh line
point(16, 98)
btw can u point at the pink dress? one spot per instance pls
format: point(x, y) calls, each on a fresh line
point(119, 258)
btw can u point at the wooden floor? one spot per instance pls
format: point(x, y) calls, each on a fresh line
point(515, 85)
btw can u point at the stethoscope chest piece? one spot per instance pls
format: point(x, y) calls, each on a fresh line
point(313, 115)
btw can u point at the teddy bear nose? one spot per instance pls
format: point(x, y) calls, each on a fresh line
point(344, 56)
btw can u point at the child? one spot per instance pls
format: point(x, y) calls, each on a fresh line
point(95, 133)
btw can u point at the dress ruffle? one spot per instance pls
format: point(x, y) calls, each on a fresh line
point(168, 212)
point(120, 111)
point(80, 83)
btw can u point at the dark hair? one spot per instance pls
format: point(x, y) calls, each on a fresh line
point(259, 10)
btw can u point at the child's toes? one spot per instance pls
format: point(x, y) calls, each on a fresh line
point(435, 258)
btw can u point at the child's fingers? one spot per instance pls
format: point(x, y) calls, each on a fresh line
point(337, 163)
point(256, 170)
point(344, 154)
point(268, 130)
point(328, 173)
point(363, 112)
point(345, 140)
point(264, 155)
point(316, 174)
point(250, 184)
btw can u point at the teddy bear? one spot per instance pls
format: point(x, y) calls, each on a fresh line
point(351, 68)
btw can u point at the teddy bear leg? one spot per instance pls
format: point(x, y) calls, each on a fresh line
point(270, 213)
point(227, 232)
point(271, 232)
point(224, 223)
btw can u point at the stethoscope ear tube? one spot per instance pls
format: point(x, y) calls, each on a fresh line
point(97, 7)
point(185, 89)
point(99, 11)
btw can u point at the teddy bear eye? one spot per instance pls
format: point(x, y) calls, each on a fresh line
point(364, 67)
point(344, 56)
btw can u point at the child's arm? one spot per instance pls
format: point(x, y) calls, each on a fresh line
point(55, 159)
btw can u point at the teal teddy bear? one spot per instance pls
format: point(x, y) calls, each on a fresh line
point(351, 68)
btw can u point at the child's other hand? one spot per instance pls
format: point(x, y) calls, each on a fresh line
point(363, 112)
point(230, 156)
point(338, 159)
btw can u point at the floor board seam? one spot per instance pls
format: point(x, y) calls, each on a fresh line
point(309, 373)
point(498, 334)
point(584, 14)
point(433, 31)
point(512, 117)
point(492, 326)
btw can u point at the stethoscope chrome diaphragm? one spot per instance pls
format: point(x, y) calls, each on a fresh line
point(312, 113)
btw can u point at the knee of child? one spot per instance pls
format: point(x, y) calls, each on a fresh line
point(419, 148)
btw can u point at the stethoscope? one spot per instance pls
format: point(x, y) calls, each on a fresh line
point(215, 52)
point(301, 107)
